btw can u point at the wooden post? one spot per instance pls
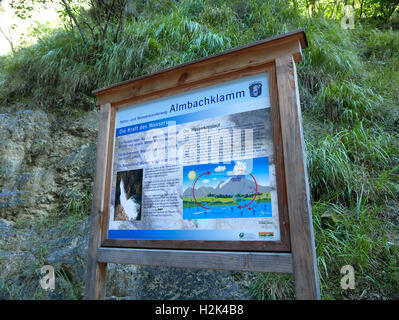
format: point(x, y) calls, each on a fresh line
point(95, 269)
point(300, 215)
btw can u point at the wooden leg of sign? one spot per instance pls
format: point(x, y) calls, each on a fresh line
point(300, 215)
point(96, 284)
point(95, 270)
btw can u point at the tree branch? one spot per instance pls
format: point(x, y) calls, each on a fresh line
point(70, 13)
point(8, 39)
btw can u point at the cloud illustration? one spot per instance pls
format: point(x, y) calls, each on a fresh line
point(220, 169)
point(240, 165)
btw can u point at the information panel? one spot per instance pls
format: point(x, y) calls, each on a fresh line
point(198, 165)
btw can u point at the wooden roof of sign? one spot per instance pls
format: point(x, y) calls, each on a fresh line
point(210, 67)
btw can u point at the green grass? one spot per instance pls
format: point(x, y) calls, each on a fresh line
point(211, 201)
point(349, 97)
point(273, 286)
point(356, 236)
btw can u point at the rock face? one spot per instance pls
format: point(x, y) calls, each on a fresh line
point(25, 250)
point(161, 283)
point(45, 160)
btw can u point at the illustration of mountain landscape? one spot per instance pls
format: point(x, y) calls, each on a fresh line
point(233, 195)
point(236, 185)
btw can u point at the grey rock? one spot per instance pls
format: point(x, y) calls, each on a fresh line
point(43, 158)
point(162, 283)
point(69, 254)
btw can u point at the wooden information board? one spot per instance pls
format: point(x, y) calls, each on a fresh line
point(202, 165)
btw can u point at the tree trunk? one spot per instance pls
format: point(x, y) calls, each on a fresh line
point(361, 9)
point(72, 16)
point(9, 39)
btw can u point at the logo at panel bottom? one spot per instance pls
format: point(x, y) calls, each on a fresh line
point(265, 235)
point(244, 235)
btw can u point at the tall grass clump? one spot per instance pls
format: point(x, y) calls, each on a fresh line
point(350, 102)
point(354, 235)
point(53, 73)
point(353, 161)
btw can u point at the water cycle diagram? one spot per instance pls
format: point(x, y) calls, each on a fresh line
point(240, 189)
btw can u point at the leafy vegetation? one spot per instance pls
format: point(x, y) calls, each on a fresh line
point(349, 94)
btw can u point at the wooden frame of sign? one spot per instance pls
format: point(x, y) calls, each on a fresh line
point(294, 250)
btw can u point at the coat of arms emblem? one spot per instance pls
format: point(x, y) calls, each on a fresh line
point(255, 89)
